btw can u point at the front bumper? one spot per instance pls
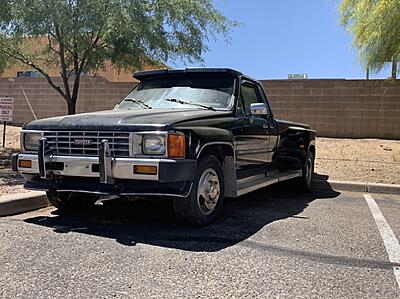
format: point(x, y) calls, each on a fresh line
point(86, 174)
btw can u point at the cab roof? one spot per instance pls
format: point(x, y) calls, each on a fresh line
point(147, 74)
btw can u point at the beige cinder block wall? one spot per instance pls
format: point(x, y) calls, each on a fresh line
point(335, 108)
point(95, 94)
point(339, 108)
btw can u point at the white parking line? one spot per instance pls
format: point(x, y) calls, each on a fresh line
point(389, 239)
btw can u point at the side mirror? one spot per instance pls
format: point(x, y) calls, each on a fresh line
point(259, 109)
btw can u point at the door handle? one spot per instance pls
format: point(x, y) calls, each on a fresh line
point(266, 127)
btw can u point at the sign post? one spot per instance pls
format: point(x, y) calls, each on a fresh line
point(6, 114)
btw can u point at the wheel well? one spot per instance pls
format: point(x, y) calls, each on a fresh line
point(220, 151)
point(226, 156)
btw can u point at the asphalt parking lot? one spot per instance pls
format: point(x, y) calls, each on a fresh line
point(271, 243)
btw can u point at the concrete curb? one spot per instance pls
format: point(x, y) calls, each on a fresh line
point(22, 202)
point(357, 187)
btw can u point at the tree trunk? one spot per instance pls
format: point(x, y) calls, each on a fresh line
point(367, 73)
point(394, 69)
point(74, 98)
point(71, 107)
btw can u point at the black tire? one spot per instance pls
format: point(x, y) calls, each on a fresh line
point(71, 201)
point(195, 209)
point(306, 180)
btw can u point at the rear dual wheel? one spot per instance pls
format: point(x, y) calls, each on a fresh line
point(306, 180)
point(206, 197)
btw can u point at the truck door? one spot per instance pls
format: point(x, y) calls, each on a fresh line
point(272, 127)
point(251, 133)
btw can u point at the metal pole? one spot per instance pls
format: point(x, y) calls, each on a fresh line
point(27, 100)
point(4, 133)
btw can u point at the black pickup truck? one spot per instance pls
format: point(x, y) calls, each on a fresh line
point(194, 135)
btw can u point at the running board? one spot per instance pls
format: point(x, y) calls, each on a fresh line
point(256, 182)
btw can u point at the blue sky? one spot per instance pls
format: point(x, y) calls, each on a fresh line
point(279, 37)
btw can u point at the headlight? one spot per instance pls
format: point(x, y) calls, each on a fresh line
point(153, 145)
point(31, 141)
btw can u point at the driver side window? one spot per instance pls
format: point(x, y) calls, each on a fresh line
point(248, 96)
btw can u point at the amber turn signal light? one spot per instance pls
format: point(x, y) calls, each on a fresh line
point(145, 169)
point(25, 163)
point(176, 146)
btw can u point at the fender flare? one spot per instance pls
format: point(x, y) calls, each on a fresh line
point(228, 167)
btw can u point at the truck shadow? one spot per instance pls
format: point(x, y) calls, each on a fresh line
point(153, 222)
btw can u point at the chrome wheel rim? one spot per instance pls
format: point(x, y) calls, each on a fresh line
point(208, 191)
point(309, 170)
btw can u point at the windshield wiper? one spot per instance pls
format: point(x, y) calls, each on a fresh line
point(139, 102)
point(183, 102)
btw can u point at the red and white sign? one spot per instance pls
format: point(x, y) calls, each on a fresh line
point(6, 109)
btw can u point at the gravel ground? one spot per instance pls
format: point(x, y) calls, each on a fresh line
point(360, 160)
point(10, 182)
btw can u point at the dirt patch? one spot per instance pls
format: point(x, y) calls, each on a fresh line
point(12, 137)
point(10, 182)
point(361, 160)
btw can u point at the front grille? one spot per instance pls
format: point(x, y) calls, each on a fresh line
point(87, 143)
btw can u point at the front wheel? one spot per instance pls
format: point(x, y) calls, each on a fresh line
point(206, 197)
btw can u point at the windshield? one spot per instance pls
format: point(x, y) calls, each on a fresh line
point(197, 92)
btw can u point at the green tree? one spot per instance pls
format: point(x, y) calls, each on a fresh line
point(3, 62)
point(376, 30)
point(83, 35)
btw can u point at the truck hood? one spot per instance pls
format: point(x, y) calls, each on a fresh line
point(124, 119)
